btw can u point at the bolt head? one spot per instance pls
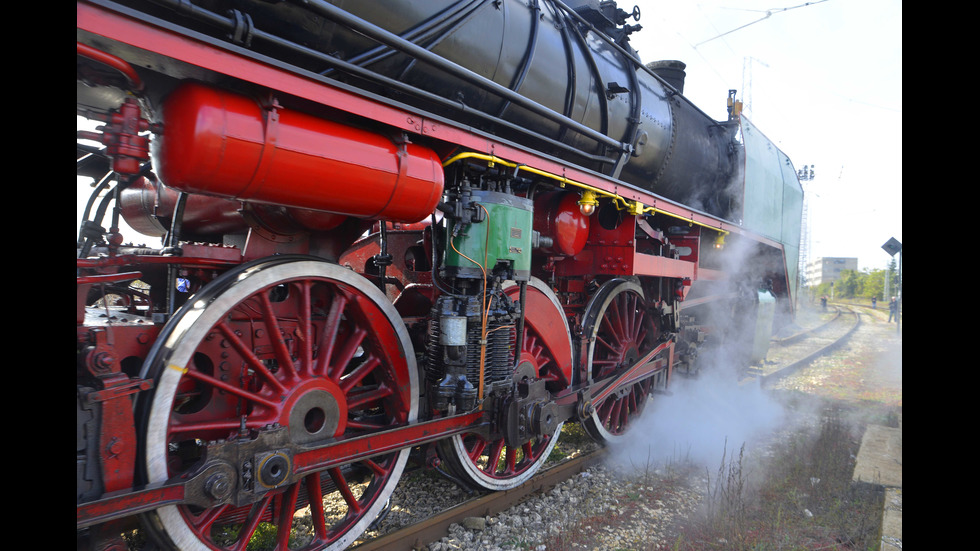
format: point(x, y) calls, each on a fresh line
point(218, 486)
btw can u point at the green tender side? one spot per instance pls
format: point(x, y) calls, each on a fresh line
point(509, 222)
point(773, 197)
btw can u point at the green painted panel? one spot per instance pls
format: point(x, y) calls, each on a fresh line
point(773, 196)
point(503, 235)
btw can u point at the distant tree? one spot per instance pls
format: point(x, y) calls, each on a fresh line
point(849, 285)
point(853, 284)
point(874, 284)
point(823, 289)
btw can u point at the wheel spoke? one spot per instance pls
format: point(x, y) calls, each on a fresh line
point(205, 520)
point(305, 334)
point(493, 459)
point(258, 355)
point(287, 508)
point(252, 522)
point(479, 444)
point(376, 468)
point(367, 426)
point(358, 374)
point(315, 493)
point(330, 332)
point(623, 331)
point(359, 400)
point(511, 462)
point(278, 344)
point(338, 479)
point(240, 392)
point(249, 356)
point(346, 354)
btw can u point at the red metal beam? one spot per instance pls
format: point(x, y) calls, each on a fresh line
point(354, 449)
point(124, 503)
point(662, 266)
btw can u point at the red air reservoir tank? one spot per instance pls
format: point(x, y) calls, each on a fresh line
point(557, 216)
point(226, 145)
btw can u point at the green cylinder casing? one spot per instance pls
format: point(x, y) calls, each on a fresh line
point(508, 219)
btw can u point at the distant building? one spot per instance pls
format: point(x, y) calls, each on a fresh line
point(820, 270)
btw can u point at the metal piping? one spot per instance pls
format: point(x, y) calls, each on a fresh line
point(622, 203)
point(381, 35)
point(229, 24)
point(112, 61)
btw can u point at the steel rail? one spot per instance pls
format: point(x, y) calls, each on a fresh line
point(796, 365)
point(433, 528)
point(797, 336)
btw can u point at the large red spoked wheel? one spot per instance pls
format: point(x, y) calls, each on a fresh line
point(621, 331)
point(545, 351)
point(301, 343)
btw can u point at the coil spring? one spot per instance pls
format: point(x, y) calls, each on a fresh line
point(435, 370)
point(499, 359)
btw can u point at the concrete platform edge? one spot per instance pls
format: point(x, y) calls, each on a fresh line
point(879, 462)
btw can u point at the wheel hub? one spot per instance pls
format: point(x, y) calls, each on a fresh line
point(316, 410)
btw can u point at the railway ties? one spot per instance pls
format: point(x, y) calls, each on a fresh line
point(786, 356)
point(433, 528)
point(789, 354)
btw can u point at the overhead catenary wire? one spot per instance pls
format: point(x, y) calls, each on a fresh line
point(769, 14)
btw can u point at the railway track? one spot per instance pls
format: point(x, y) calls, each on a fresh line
point(431, 529)
point(789, 354)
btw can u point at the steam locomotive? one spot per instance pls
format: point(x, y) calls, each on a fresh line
point(389, 232)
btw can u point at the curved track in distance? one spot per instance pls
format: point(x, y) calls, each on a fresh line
point(789, 354)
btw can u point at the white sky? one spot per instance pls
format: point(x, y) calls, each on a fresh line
point(823, 80)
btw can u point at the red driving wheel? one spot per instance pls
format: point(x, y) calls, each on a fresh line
point(291, 344)
point(545, 353)
point(622, 330)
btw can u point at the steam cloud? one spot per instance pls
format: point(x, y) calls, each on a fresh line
point(698, 422)
point(705, 419)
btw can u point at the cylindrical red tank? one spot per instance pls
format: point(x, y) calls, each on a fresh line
point(226, 145)
point(557, 215)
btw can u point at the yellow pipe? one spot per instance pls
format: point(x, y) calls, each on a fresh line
point(633, 208)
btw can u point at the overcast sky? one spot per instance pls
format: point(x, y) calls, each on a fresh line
point(822, 79)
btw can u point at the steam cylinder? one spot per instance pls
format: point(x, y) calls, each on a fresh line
point(225, 145)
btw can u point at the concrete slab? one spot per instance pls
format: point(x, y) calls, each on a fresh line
point(879, 462)
point(891, 523)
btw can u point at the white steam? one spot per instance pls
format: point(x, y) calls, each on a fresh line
point(698, 422)
point(704, 419)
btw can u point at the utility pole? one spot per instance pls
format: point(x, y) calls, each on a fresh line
point(747, 84)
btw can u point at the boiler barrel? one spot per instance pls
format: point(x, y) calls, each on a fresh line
point(543, 54)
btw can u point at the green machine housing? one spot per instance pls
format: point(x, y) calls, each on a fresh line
point(497, 234)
